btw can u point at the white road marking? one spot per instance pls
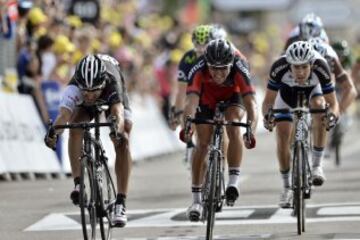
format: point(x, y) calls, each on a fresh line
point(55, 221)
point(339, 211)
point(229, 216)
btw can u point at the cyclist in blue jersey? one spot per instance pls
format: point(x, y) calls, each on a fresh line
point(201, 35)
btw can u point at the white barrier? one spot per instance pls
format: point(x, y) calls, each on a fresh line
point(21, 138)
point(150, 135)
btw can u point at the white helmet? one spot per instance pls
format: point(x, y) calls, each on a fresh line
point(318, 45)
point(300, 52)
point(310, 26)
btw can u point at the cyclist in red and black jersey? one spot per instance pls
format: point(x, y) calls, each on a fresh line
point(219, 75)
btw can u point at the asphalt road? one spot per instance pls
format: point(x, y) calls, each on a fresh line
point(160, 194)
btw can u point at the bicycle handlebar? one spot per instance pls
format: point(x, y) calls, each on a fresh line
point(190, 120)
point(298, 110)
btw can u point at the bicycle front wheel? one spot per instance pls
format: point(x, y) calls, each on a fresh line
point(107, 196)
point(298, 186)
point(87, 200)
point(211, 201)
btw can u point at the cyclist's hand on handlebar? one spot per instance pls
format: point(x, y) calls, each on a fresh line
point(117, 137)
point(174, 118)
point(51, 138)
point(185, 137)
point(269, 122)
point(249, 140)
point(330, 121)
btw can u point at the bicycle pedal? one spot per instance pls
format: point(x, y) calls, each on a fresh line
point(194, 217)
point(230, 203)
point(219, 207)
point(231, 194)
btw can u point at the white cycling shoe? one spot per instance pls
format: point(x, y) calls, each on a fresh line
point(286, 198)
point(318, 176)
point(119, 218)
point(194, 212)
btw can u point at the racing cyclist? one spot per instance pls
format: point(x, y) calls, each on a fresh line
point(97, 79)
point(220, 75)
point(301, 68)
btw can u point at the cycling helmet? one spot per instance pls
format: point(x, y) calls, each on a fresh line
point(90, 73)
point(300, 52)
point(342, 49)
point(318, 45)
point(310, 26)
point(219, 53)
point(201, 34)
point(218, 32)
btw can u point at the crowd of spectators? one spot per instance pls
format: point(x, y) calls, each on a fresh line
point(147, 41)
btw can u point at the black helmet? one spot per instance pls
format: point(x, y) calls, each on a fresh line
point(90, 73)
point(219, 52)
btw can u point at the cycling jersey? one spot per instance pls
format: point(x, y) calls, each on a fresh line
point(282, 80)
point(334, 63)
point(114, 91)
point(185, 65)
point(237, 85)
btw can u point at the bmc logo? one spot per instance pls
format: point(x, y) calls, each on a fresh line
point(196, 67)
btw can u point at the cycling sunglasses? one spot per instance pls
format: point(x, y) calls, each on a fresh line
point(220, 68)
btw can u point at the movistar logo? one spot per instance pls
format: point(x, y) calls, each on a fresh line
point(190, 59)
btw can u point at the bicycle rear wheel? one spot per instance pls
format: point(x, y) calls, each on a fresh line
point(107, 197)
point(298, 186)
point(87, 200)
point(211, 203)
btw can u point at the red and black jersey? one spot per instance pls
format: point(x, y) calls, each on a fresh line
point(238, 82)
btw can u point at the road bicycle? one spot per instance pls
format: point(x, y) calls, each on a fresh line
point(97, 189)
point(301, 144)
point(213, 190)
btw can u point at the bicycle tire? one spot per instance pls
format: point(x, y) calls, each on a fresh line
point(87, 200)
point(211, 201)
point(298, 186)
point(107, 197)
point(304, 165)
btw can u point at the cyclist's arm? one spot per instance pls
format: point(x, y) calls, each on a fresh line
point(70, 99)
point(348, 94)
point(347, 88)
point(63, 118)
point(270, 96)
point(192, 102)
point(117, 110)
point(330, 98)
point(180, 96)
point(355, 74)
point(251, 110)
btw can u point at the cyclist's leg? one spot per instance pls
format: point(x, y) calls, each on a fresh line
point(122, 170)
point(320, 137)
point(283, 138)
point(123, 157)
point(234, 151)
point(204, 133)
point(75, 147)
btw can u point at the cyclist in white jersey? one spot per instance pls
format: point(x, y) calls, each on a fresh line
point(300, 69)
point(97, 79)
